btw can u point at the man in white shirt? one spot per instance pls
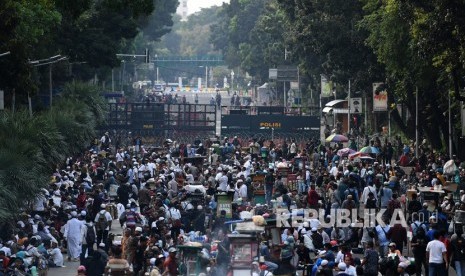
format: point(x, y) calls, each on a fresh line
point(57, 256)
point(39, 203)
point(350, 269)
point(248, 168)
point(242, 190)
point(105, 140)
point(334, 170)
point(437, 256)
point(363, 172)
point(219, 173)
point(366, 191)
point(119, 158)
point(223, 183)
point(173, 213)
point(141, 170)
point(292, 150)
point(6, 250)
point(151, 167)
point(308, 176)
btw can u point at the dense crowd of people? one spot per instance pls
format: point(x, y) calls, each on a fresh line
point(166, 197)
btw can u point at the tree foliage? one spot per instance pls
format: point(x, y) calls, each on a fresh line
point(399, 36)
point(239, 18)
point(267, 44)
point(89, 32)
point(326, 39)
point(23, 26)
point(408, 45)
point(31, 147)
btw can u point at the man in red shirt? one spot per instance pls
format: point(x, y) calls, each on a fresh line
point(313, 197)
point(82, 199)
point(5, 259)
point(170, 264)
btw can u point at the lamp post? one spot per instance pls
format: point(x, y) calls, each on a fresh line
point(416, 122)
point(450, 130)
point(366, 111)
point(156, 58)
point(348, 112)
point(334, 114)
point(389, 123)
point(206, 77)
point(232, 79)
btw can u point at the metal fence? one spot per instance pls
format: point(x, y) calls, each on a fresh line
point(159, 119)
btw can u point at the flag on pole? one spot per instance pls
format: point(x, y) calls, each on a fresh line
point(326, 87)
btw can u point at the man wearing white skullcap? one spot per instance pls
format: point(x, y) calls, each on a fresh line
point(73, 236)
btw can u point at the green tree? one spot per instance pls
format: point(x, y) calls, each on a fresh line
point(325, 39)
point(267, 45)
point(238, 18)
point(32, 147)
point(394, 38)
point(24, 26)
point(28, 148)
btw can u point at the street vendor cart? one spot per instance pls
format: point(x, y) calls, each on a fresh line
point(190, 260)
point(258, 181)
point(244, 248)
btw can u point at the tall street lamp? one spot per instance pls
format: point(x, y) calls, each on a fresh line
point(232, 79)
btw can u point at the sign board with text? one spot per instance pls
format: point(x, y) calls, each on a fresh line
point(224, 203)
point(288, 73)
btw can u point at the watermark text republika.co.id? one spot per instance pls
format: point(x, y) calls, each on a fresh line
point(343, 217)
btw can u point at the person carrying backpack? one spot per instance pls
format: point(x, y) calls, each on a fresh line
point(353, 192)
point(416, 225)
point(89, 237)
point(103, 221)
point(130, 217)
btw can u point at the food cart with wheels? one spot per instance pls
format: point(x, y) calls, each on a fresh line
point(244, 248)
point(190, 260)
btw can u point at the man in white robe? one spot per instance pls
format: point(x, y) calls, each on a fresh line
point(73, 237)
